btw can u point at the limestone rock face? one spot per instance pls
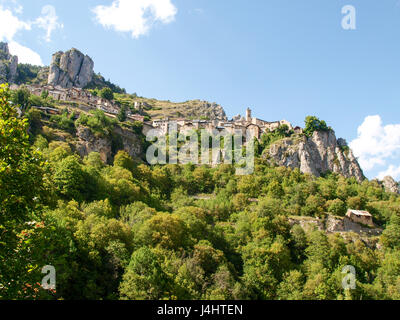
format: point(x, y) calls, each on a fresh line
point(130, 141)
point(70, 69)
point(8, 65)
point(316, 155)
point(391, 185)
point(89, 142)
point(213, 111)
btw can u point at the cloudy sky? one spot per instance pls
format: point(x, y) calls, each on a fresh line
point(285, 59)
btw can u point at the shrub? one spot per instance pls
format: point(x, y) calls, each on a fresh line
point(314, 124)
point(64, 122)
point(107, 93)
point(98, 122)
point(337, 207)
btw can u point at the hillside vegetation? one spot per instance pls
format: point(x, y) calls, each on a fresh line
point(159, 109)
point(129, 231)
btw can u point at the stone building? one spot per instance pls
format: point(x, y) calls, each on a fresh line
point(363, 217)
point(238, 124)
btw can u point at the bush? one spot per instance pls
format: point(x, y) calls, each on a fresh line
point(107, 93)
point(124, 160)
point(337, 207)
point(69, 179)
point(98, 122)
point(281, 132)
point(20, 98)
point(64, 122)
point(314, 124)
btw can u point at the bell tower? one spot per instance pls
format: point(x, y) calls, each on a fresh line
point(248, 115)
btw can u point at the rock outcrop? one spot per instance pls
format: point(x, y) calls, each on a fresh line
point(308, 223)
point(211, 111)
point(71, 69)
point(193, 109)
point(8, 65)
point(89, 142)
point(130, 141)
point(344, 224)
point(334, 224)
point(316, 155)
point(390, 185)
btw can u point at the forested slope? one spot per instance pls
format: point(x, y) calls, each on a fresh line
point(125, 230)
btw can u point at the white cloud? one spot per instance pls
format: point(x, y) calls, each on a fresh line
point(13, 4)
point(392, 171)
point(48, 21)
point(25, 55)
point(376, 145)
point(10, 24)
point(135, 17)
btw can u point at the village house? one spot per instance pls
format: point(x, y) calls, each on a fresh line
point(75, 95)
point(238, 124)
point(358, 216)
point(135, 117)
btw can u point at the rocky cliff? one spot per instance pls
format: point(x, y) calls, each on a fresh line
point(8, 65)
point(390, 185)
point(316, 155)
point(88, 142)
point(71, 69)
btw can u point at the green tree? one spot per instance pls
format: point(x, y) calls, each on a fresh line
point(122, 114)
point(314, 124)
point(44, 94)
point(165, 230)
point(107, 93)
point(69, 179)
point(291, 288)
point(144, 278)
point(123, 159)
point(391, 235)
point(20, 98)
point(337, 207)
point(21, 189)
point(94, 160)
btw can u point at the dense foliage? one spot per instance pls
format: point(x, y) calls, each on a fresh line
point(107, 93)
point(314, 124)
point(99, 83)
point(130, 231)
point(28, 73)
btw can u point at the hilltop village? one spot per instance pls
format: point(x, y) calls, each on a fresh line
point(72, 72)
point(71, 82)
point(87, 102)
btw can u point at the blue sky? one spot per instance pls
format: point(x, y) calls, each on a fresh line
point(285, 59)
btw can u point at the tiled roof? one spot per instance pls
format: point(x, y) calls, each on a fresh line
point(360, 213)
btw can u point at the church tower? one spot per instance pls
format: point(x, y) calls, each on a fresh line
point(248, 115)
